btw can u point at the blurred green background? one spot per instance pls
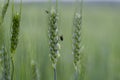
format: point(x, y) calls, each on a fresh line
point(100, 33)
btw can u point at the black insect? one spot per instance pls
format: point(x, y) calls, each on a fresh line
point(47, 11)
point(61, 37)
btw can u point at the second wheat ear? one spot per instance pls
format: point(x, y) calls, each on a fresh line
point(77, 40)
point(77, 45)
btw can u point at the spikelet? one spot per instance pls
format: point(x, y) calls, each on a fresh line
point(35, 74)
point(53, 37)
point(5, 64)
point(77, 39)
point(15, 32)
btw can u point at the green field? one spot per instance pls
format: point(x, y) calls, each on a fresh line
point(101, 40)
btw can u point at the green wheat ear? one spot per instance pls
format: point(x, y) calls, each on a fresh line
point(53, 37)
point(6, 64)
point(77, 45)
point(15, 32)
point(77, 39)
point(35, 74)
point(15, 29)
point(14, 38)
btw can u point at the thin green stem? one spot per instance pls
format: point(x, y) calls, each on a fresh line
point(55, 74)
point(76, 75)
point(12, 71)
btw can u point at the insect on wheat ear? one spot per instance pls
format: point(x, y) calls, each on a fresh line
point(47, 11)
point(61, 38)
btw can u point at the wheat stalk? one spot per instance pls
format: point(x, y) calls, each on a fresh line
point(77, 42)
point(16, 18)
point(77, 45)
point(54, 39)
point(14, 38)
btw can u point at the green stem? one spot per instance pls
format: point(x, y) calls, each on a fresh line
point(12, 71)
point(76, 75)
point(55, 74)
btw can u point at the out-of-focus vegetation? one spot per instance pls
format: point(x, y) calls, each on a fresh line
point(100, 32)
